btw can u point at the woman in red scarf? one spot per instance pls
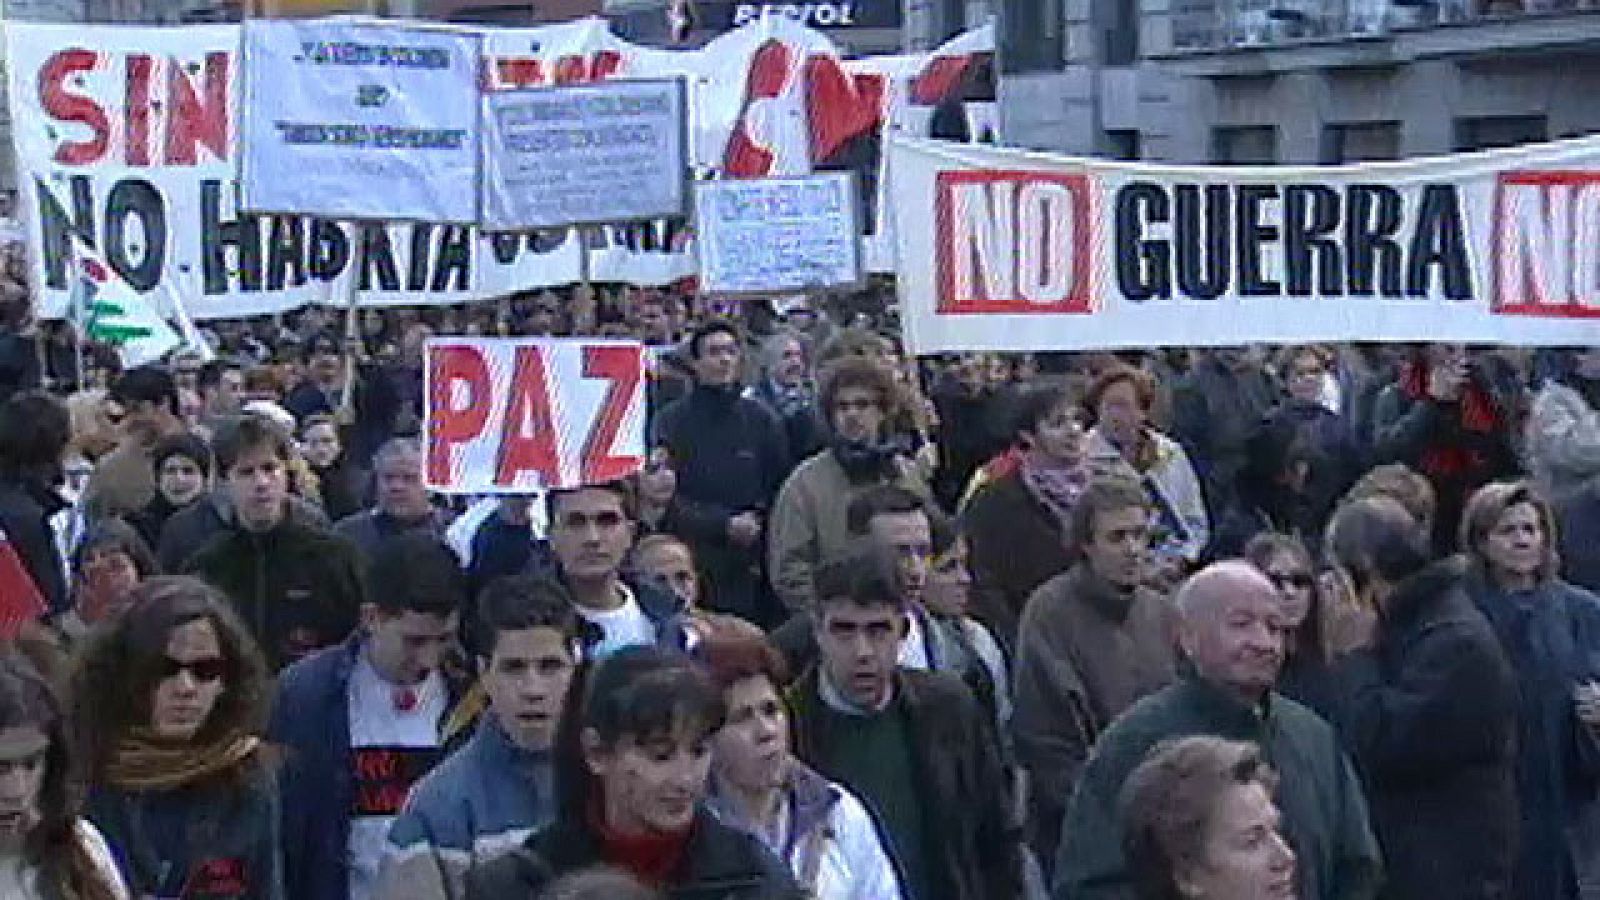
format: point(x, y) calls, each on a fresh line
point(632, 764)
point(1450, 416)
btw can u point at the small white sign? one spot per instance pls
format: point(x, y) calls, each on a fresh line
point(587, 154)
point(348, 119)
point(780, 234)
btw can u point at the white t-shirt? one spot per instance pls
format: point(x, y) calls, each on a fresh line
point(914, 646)
point(625, 626)
point(390, 750)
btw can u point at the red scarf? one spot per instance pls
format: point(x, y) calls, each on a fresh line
point(651, 857)
point(1478, 414)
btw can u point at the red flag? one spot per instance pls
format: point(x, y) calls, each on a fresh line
point(20, 599)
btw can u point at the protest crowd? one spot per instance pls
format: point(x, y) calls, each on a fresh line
point(458, 546)
point(1307, 621)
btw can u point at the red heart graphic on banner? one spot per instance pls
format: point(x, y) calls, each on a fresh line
point(839, 107)
point(769, 68)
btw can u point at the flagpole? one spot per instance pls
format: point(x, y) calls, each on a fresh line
point(352, 327)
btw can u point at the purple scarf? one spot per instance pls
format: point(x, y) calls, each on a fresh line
point(1058, 487)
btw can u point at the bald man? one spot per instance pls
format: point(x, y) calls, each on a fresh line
point(1232, 633)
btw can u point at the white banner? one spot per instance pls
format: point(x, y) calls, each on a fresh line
point(616, 151)
point(126, 135)
point(1006, 250)
point(516, 415)
point(331, 103)
point(779, 234)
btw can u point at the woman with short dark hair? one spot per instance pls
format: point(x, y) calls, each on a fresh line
point(182, 470)
point(1199, 823)
point(1016, 523)
point(817, 826)
point(169, 703)
point(632, 764)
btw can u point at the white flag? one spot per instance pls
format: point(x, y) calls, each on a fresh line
point(114, 313)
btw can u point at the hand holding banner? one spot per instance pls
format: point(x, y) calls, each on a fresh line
point(517, 415)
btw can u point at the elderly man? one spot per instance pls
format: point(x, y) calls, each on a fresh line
point(1430, 712)
point(403, 505)
point(1232, 633)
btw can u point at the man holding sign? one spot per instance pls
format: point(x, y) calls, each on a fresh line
point(566, 417)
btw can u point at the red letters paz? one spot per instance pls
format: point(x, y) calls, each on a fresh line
point(187, 103)
point(461, 400)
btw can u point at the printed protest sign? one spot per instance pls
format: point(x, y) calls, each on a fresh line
point(516, 415)
point(126, 136)
point(611, 152)
point(1014, 251)
point(779, 234)
point(359, 120)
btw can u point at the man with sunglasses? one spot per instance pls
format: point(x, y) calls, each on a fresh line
point(1093, 640)
point(364, 721)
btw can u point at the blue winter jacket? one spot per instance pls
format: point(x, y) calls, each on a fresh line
point(484, 800)
point(311, 722)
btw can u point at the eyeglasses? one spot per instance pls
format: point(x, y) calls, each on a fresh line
point(205, 671)
point(1286, 580)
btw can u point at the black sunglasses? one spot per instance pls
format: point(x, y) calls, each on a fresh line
point(205, 671)
point(1301, 580)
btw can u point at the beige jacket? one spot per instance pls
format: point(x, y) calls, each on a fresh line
point(809, 523)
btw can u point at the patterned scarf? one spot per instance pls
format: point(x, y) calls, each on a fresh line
point(143, 762)
point(1058, 487)
point(1479, 414)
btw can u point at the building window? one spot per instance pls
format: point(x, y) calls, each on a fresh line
point(1121, 33)
point(1488, 132)
point(1123, 144)
point(1353, 142)
point(1245, 145)
point(1032, 36)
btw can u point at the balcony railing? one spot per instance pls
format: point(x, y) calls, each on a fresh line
point(1223, 24)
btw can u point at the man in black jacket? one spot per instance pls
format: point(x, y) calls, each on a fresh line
point(1429, 713)
point(730, 455)
point(914, 746)
point(298, 589)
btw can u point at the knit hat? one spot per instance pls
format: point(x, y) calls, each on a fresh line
point(1562, 437)
point(186, 445)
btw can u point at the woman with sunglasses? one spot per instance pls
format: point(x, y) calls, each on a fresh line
point(46, 850)
point(170, 699)
point(1306, 676)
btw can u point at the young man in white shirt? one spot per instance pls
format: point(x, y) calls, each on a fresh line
point(362, 721)
point(591, 532)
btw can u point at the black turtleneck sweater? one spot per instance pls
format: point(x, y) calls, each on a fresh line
point(729, 453)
